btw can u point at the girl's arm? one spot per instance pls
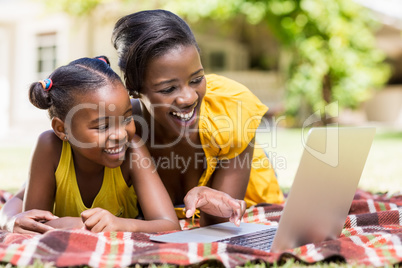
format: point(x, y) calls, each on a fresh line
point(34, 221)
point(29, 222)
point(155, 202)
point(231, 179)
point(41, 186)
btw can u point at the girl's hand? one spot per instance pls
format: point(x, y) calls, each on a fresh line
point(215, 203)
point(66, 223)
point(30, 222)
point(100, 220)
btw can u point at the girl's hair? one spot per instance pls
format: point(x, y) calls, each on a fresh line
point(78, 77)
point(142, 36)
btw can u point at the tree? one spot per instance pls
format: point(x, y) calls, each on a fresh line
point(75, 7)
point(328, 46)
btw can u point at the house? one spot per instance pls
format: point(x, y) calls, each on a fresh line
point(35, 40)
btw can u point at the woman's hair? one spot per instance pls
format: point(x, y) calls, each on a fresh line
point(67, 82)
point(142, 36)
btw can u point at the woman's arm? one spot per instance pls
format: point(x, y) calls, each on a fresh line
point(155, 202)
point(232, 178)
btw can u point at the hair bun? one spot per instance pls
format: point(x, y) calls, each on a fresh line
point(38, 96)
point(104, 59)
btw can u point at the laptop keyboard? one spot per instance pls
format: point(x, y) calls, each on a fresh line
point(261, 240)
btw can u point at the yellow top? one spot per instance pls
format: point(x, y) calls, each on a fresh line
point(113, 196)
point(229, 117)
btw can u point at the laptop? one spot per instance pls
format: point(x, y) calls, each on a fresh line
point(318, 202)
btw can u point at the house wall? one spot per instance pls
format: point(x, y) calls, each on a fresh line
point(20, 24)
point(22, 20)
point(4, 82)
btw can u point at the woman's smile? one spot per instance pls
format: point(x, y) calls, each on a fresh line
point(186, 117)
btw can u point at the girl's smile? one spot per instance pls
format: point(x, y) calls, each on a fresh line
point(116, 154)
point(115, 150)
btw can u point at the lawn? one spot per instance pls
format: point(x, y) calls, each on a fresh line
point(14, 164)
point(382, 172)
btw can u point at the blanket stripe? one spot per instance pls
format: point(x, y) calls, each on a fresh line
point(372, 235)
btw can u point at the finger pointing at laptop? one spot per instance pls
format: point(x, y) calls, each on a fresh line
point(213, 202)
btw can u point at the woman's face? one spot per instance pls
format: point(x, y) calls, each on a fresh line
point(174, 87)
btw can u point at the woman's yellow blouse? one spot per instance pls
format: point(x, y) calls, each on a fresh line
point(229, 117)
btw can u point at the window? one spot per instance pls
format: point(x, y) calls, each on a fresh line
point(46, 54)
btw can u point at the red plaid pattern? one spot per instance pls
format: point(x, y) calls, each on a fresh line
point(372, 236)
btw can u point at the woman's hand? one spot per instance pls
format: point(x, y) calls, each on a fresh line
point(100, 220)
point(30, 222)
point(215, 203)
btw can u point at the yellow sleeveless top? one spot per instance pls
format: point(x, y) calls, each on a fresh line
point(230, 114)
point(114, 195)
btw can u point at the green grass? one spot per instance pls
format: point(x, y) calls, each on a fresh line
point(14, 166)
point(382, 173)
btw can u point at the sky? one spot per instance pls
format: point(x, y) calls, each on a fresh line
point(391, 8)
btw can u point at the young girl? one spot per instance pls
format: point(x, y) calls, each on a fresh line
point(205, 122)
point(80, 170)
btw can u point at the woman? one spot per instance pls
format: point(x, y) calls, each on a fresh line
point(204, 124)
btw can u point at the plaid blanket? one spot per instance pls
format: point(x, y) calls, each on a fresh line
point(372, 235)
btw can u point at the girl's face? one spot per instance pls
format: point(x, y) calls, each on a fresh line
point(174, 87)
point(100, 126)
